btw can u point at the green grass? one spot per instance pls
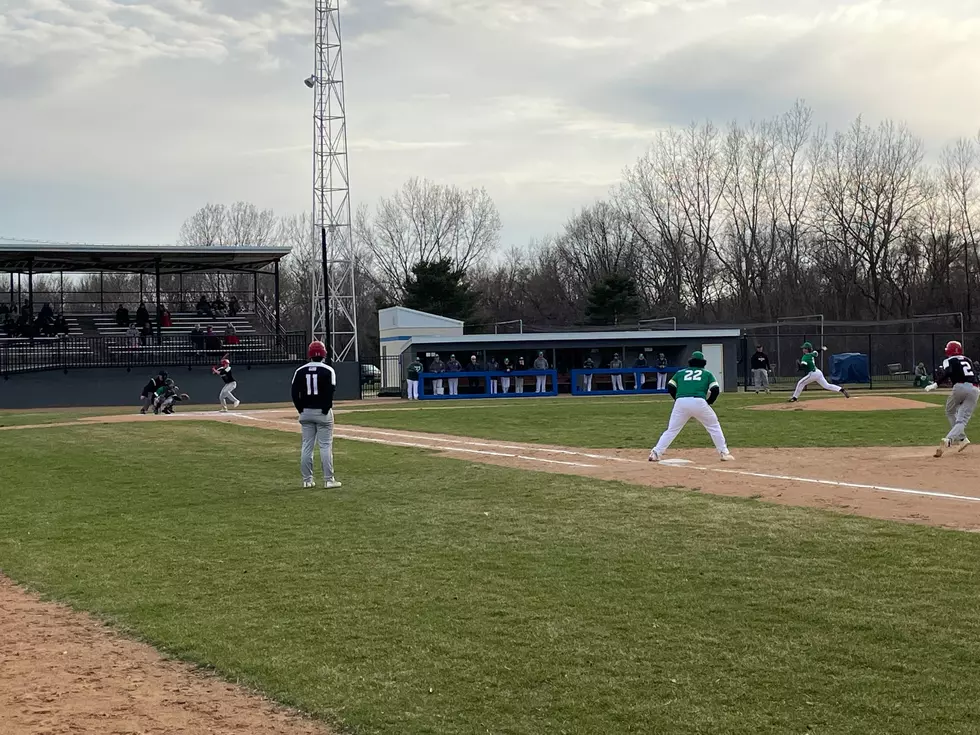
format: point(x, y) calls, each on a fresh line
point(432, 596)
point(638, 422)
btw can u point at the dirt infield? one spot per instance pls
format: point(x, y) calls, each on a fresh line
point(63, 672)
point(837, 403)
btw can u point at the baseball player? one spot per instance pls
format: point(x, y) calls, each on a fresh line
point(693, 389)
point(760, 370)
point(639, 379)
point(662, 375)
point(617, 380)
point(962, 401)
point(493, 366)
point(453, 366)
point(439, 367)
point(808, 363)
point(413, 371)
point(312, 392)
point(150, 391)
point(166, 396)
point(589, 364)
point(519, 379)
point(227, 394)
point(541, 381)
point(505, 380)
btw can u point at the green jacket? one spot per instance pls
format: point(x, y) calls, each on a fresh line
point(414, 370)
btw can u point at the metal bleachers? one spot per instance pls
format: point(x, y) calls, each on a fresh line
point(182, 324)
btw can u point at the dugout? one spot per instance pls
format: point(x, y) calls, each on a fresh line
point(566, 351)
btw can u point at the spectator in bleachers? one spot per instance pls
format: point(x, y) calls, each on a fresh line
point(132, 336)
point(204, 307)
point(231, 338)
point(233, 306)
point(9, 326)
point(122, 316)
point(212, 342)
point(61, 325)
point(47, 314)
point(166, 320)
point(25, 326)
point(4, 310)
point(142, 315)
point(146, 332)
point(218, 308)
point(197, 337)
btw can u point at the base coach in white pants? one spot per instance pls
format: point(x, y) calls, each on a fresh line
point(312, 392)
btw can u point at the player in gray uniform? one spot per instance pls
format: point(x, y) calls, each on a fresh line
point(540, 381)
point(962, 401)
point(312, 393)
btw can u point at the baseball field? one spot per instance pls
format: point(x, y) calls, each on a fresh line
point(491, 567)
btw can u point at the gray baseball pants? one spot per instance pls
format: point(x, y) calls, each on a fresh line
point(960, 405)
point(317, 429)
point(760, 379)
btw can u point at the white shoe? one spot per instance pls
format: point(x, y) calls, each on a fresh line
point(962, 444)
point(307, 485)
point(237, 403)
point(332, 484)
point(944, 445)
point(654, 457)
point(727, 457)
point(224, 409)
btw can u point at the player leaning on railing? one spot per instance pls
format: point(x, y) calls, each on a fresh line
point(962, 401)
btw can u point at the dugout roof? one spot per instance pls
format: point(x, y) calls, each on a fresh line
point(23, 257)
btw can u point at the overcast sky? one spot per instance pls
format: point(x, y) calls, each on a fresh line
point(119, 118)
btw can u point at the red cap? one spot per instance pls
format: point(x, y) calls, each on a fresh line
point(953, 348)
point(225, 362)
point(317, 349)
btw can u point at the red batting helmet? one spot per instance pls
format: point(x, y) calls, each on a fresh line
point(225, 363)
point(953, 348)
point(317, 349)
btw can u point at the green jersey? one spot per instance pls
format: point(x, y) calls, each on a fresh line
point(693, 382)
point(810, 361)
point(414, 369)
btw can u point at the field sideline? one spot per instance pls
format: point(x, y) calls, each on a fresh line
point(463, 594)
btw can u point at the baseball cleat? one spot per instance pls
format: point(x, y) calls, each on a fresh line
point(943, 446)
point(224, 409)
point(962, 444)
point(654, 457)
point(727, 457)
point(794, 399)
point(332, 484)
point(237, 403)
point(845, 393)
point(308, 484)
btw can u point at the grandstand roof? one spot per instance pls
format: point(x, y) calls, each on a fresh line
point(18, 256)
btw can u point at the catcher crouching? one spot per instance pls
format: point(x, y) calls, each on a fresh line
point(167, 395)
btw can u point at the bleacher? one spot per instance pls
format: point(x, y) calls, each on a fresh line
point(182, 324)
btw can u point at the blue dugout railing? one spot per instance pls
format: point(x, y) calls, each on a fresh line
point(427, 384)
point(578, 380)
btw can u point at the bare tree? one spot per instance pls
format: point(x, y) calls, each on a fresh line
point(425, 221)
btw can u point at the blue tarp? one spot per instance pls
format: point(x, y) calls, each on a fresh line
point(849, 367)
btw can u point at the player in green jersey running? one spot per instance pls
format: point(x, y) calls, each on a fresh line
point(693, 389)
point(813, 374)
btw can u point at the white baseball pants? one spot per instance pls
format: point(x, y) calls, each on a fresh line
point(661, 381)
point(587, 379)
point(639, 380)
point(413, 390)
point(439, 387)
point(617, 382)
point(454, 386)
point(684, 410)
point(541, 384)
point(519, 384)
point(505, 384)
point(227, 394)
point(960, 405)
point(493, 386)
point(815, 377)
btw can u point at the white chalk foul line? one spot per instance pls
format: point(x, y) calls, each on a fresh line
point(744, 473)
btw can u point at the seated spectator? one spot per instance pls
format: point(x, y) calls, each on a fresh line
point(197, 337)
point(142, 315)
point(145, 333)
point(47, 314)
point(233, 306)
point(61, 325)
point(9, 326)
point(212, 342)
point(204, 307)
point(231, 338)
point(4, 310)
point(165, 319)
point(122, 316)
point(218, 308)
point(133, 336)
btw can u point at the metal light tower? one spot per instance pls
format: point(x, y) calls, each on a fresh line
point(334, 299)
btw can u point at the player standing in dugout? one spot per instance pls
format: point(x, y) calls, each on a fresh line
point(312, 393)
point(962, 401)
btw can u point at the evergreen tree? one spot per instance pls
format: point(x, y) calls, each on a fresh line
point(439, 288)
point(613, 299)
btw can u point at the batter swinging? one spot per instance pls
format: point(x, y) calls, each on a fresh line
point(813, 375)
point(693, 389)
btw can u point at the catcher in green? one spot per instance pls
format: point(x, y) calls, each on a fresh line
point(813, 374)
point(693, 389)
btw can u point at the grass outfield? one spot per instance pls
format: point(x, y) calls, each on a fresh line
point(638, 422)
point(434, 596)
